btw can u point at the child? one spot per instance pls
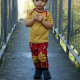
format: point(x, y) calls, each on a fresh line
point(39, 20)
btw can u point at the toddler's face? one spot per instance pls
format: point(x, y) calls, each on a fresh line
point(39, 4)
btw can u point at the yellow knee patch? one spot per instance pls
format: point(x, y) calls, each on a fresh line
point(34, 58)
point(42, 57)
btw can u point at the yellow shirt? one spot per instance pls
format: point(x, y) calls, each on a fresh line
point(38, 33)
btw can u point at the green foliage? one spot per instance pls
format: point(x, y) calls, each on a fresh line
point(75, 22)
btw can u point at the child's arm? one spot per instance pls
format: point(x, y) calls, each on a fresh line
point(29, 23)
point(47, 24)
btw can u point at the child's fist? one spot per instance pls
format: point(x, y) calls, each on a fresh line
point(35, 17)
point(40, 18)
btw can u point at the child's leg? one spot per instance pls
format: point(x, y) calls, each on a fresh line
point(42, 56)
point(34, 50)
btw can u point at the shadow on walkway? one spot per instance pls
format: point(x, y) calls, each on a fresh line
point(18, 65)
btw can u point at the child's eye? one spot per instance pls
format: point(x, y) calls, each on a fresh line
point(43, 0)
point(36, 0)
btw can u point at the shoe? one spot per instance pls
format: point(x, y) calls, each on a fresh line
point(37, 74)
point(46, 74)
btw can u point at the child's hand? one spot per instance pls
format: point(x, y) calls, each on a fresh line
point(40, 18)
point(35, 17)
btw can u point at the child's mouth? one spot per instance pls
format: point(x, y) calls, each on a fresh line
point(39, 5)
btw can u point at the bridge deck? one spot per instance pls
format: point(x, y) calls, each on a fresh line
point(18, 64)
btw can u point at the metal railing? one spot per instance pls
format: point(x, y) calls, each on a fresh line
point(66, 17)
point(10, 12)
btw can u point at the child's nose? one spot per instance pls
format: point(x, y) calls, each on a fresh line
point(39, 2)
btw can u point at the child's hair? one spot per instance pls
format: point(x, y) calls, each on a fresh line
point(45, 0)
